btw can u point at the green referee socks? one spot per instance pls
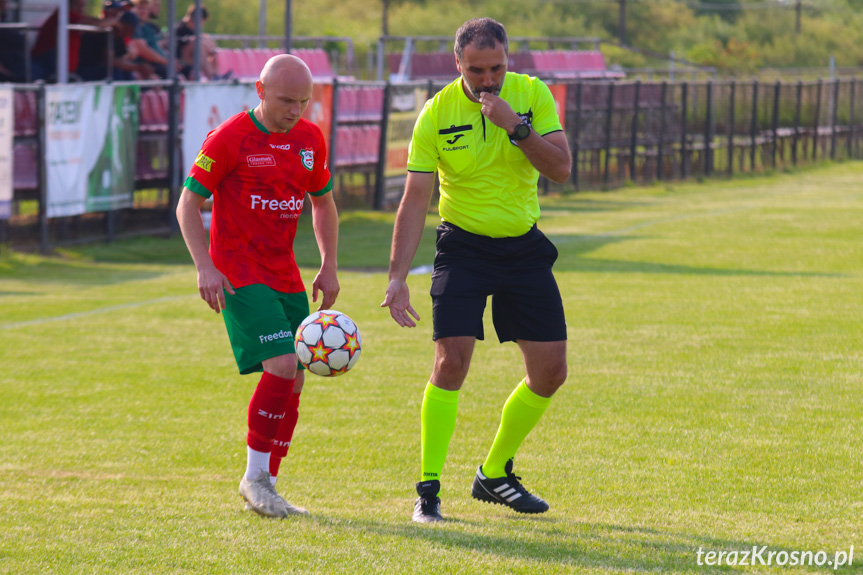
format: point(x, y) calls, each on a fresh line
point(438, 423)
point(520, 414)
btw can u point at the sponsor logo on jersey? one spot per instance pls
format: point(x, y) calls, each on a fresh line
point(308, 157)
point(284, 147)
point(455, 139)
point(204, 162)
point(293, 205)
point(259, 160)
point(281, 334)
point(455, 148)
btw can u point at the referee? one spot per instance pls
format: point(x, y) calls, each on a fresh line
point(489, 134)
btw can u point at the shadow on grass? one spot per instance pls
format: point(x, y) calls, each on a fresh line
point(74, 272)
point(588, 205)
point(364, 244)
point(598, 546)
point(572, 250)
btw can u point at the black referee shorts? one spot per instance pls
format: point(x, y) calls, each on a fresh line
point(516, 272)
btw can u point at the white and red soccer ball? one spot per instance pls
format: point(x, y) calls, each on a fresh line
point(328, 343)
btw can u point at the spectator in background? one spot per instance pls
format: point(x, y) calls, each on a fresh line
point(186, 35)
point(148, 29)
point(127, 64)
point(113, 9)
point(148, 37)
point(44, 52)
point(94, 49)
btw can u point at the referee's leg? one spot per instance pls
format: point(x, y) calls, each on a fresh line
point(440, 402)
point(545, 363)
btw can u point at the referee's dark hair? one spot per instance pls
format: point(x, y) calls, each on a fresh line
point(483, 33)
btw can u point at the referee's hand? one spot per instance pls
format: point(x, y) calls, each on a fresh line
point(398, 299)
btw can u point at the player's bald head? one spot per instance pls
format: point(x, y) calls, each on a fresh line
point(285, 68)
point(285, 89)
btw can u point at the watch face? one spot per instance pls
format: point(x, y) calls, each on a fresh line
point(521, 132)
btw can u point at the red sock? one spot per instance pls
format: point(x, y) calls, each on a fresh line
point(267, 410)
point(285, 434)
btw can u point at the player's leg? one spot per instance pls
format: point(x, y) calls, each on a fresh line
point(285, 435)
point(296, 308)
point(261, 338)
point(284, 414)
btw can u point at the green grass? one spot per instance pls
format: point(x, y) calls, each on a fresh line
point(714, 402)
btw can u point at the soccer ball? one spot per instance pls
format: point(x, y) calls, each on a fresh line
point(328, 343)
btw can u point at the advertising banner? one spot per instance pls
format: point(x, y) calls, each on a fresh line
point(558, 92)
point(90, 146)
point(207, 106)
point(6, 133)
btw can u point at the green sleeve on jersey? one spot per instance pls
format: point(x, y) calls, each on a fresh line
point(196, 187)
point(324, 190)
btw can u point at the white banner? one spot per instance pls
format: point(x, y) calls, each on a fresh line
point(90, 149)
point(207, 106)
point(6, 134)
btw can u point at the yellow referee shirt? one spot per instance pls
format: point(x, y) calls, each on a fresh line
point(488, 186)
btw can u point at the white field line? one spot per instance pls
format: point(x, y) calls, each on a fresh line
point(96, 311)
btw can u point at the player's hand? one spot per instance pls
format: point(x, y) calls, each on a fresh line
point(328, 283)
point(398, 299)
point(212, 285)
point(498, 111)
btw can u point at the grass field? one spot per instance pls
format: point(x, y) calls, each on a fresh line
point(714, 403)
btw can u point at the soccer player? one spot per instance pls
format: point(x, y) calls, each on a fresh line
point(258, 166)
point(489, 134)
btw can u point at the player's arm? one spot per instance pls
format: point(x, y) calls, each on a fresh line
point(211, 281)
point(410, 221)
point(549, 154)
point(325, 221)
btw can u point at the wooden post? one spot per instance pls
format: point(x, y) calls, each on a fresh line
point(608, 115)
point(634, 143)
point(732, 89)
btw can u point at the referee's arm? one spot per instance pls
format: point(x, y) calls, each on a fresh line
point(549, 154)
point(410, 221)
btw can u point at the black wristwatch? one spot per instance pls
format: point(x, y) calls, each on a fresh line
point(520, 132)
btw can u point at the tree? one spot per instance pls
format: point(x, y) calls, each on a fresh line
point(385, 13)
point(728, 10)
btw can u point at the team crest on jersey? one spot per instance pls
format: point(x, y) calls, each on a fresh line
point(308, 157)
point(204, 162)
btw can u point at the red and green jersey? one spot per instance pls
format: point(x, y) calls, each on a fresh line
point(259, 181)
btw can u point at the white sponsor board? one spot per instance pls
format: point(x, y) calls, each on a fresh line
point(6, 134)
point(90, 148)
point(207, 106)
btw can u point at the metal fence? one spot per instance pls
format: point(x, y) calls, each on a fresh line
point(643, 132)
point(618, 131)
